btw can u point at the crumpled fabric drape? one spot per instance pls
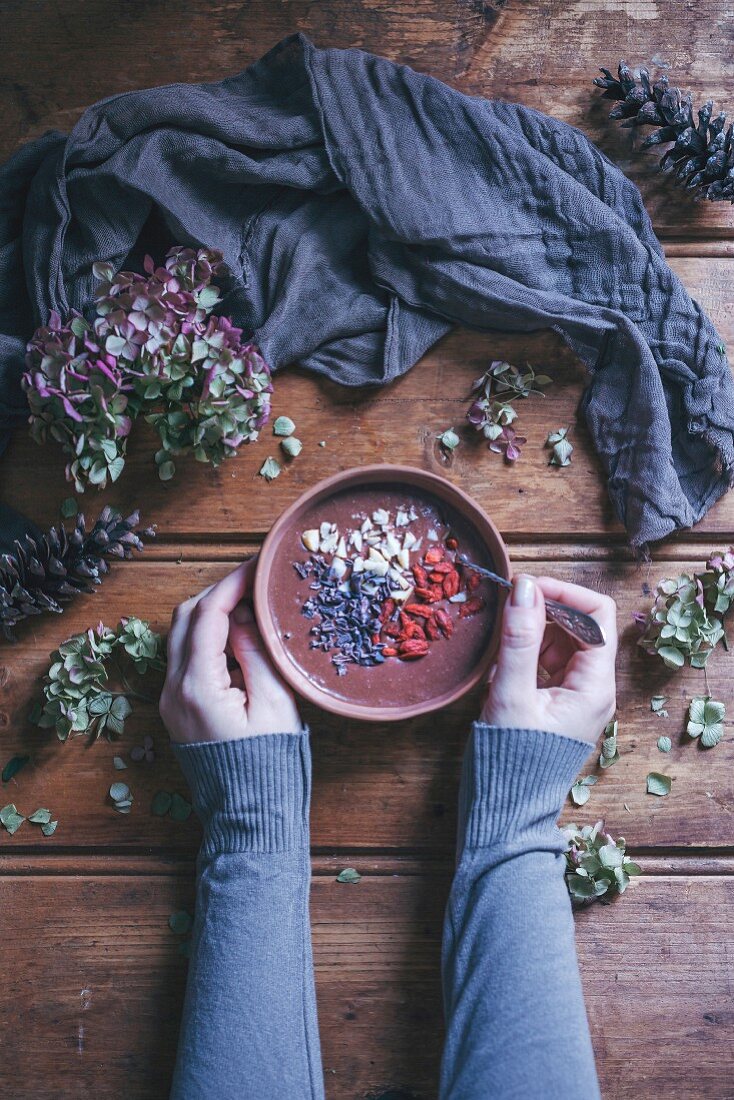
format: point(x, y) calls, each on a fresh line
point(364, 209)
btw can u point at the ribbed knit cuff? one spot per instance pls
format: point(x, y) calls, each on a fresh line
point(514, 784)
point(252, 794)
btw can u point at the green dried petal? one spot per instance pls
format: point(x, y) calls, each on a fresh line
point(161, 804)
point(10, 818)
point(69, 507)
point(270, 469)
point(49, 828)
point(119, 764)
point(119, 791)
point(291, 446)
point(665, 744)
point(13, 766)
point(180, 809)
point(180, 922)
point(41, 816)
point(448, 439)
point(283, 425)
point(349, 874)
point(658, 784)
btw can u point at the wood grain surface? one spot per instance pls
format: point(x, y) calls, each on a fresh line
point(91, 979)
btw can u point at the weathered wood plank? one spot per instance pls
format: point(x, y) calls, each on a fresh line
point(396, 424)
point(379, 788)
point(102, 982)
point(542, 55)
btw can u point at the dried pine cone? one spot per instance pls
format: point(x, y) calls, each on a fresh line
point(48, 570)
point(701, 156)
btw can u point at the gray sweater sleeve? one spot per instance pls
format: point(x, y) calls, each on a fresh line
point(516, 1025)
point(515, 1017)
point(249, 1029)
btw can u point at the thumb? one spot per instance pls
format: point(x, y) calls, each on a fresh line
point(523, 627)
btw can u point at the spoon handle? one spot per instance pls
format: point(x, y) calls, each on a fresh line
point(577, 623)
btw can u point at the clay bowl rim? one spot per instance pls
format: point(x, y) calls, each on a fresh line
point(356, 476)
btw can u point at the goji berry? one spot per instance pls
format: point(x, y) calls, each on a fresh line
point(388, 609)
point(429, 594)
point(476, 603)
point(441, 567)
point(419, 609)
point(433, 555)
point(444, 622)
point(412, 649)
point(421, 576)
point(473, 581)
point(432, 631)
point(436, 591)
point(451, 584)
point(391, 630)
point(389, 651)
point(452, 543)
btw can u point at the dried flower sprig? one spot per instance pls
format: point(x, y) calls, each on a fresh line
point(50, 570)
point(491, 411)
point(596, 864)
point(78, 696)
point(154, 348)
point(701, 156)
point(685, 621)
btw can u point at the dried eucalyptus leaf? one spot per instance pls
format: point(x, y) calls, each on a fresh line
point(349, 874)
point(283, 425)
point(658, 784)
point(180, 922)
point(270, 469)
point(13, 766)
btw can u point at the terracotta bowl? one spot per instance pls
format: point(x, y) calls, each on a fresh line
point(281, 540)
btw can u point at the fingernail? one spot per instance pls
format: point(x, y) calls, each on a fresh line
point(523, 591)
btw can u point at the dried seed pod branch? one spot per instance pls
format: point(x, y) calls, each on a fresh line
point(701, 157)
point(50, 569)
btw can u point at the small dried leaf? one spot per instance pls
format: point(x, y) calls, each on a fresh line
point(49, 828)
point(448, 439)
point(119, 764)
point(291, 446)
point(119, 792)
point(161, 804)
point(69, 507)
point(180, 809)
point(665, 744)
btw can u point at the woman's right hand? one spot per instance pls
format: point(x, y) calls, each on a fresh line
point(543, 678)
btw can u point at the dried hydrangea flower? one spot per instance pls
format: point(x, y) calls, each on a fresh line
point(562, 447)
point(153, 348)
point(596, 865)
point(685, 621)
point(509, 443)
point(491, 411)
point(706, 720)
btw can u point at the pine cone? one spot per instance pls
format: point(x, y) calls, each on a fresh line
point(49, 570)
point(701, 156)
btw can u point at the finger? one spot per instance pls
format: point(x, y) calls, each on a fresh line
point(178, 634)
point(210, 621)
point(266, 692)
point(557, 651)
point(523, 627)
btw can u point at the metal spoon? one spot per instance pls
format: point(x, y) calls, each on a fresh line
point(577, 623)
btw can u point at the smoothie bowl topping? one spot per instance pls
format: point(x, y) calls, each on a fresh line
point(385, 587)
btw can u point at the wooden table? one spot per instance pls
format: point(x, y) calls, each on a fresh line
point(91, 979)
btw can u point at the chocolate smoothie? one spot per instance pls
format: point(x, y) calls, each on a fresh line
point(430, 525)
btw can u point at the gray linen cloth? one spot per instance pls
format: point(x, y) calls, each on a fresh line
point(364, 210)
